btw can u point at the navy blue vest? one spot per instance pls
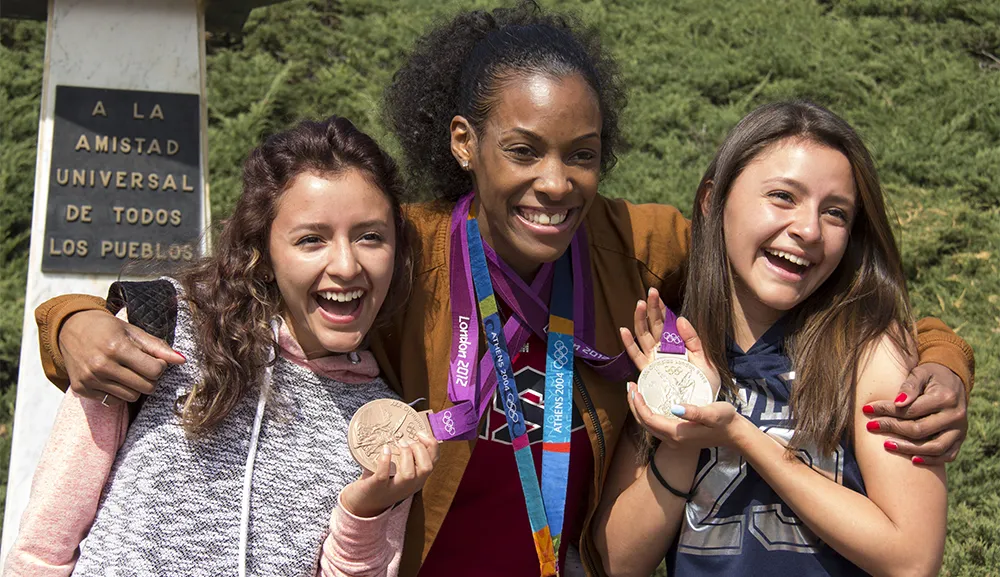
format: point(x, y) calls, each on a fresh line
point(736, 524)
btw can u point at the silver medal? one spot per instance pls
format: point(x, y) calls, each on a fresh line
point(669, 381)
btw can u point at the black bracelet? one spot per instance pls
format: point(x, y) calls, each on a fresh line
point(659, 477)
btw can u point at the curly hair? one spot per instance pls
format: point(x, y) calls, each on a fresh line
point(232, 293)
point(460, 68)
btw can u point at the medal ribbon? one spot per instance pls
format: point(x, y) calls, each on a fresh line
point(471, 390)
point(496, 345)
point(558, 401)
point(671, 342)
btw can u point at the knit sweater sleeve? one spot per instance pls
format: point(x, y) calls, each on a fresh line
point(364, 547)
point(67, 486)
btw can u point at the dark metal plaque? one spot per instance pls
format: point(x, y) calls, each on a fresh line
point(125, 181)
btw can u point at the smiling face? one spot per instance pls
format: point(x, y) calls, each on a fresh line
point(536, 165)
point(787, 222)
point(332, 247)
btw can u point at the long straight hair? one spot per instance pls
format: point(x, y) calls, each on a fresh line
point(830, 332)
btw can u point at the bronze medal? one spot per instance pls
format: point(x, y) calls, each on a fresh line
point(669, 381)
point(383, 422)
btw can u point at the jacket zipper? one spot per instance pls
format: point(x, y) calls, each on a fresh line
point(589, 564)
point(593, 417)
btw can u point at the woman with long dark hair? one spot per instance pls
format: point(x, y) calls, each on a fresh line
point(802, 306)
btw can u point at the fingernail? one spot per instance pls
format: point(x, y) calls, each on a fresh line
point(901, 398)
point(677, 410)
point(868, 410)
point(181, 355)
point(633, 394)
point(424, 436)
point(386, 450)
point(873, 426)
point(918, 461)
point(890, 446)
point(402, 443)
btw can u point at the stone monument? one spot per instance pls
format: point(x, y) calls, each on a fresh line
point(120, 178)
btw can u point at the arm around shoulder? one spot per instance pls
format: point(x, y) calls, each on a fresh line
point(937, 343)
point(50, 316)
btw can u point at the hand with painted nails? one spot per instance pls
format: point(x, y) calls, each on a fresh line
point(712, 425)
point(374, 492)
point(675, 433)
point(927, 420)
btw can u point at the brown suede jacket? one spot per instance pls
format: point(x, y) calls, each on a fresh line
point(632, 248)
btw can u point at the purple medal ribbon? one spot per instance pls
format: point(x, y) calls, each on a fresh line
point(671, 342)
point(471, 387)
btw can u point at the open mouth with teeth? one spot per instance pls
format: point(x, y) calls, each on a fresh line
point(544, 217)
point(787, 261)
point(340, 303)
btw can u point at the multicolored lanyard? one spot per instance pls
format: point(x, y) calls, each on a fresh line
point(471, 378)
point(545, 510)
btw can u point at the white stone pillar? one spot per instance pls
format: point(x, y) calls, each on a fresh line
point(141, 45)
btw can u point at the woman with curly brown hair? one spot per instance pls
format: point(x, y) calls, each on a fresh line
point(509, 119)
point(313, 255)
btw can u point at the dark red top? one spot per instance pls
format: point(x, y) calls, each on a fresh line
point(486, 531)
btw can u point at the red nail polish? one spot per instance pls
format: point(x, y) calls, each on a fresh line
point(181, 355)
point(901, 398)
point(918, 461)
point(873, 426)
point(868, 410)
point(890, 446)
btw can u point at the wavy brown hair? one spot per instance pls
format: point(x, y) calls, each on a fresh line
point(830, 332)
point(233, 294)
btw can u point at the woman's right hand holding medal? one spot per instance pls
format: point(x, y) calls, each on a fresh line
point(375, 492)
point(698, 427)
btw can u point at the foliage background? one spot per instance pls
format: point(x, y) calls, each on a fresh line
point(920, 79)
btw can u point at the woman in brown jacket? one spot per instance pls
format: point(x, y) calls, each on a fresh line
point(509, 118)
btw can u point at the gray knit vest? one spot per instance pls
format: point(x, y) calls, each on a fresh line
point(172, 505)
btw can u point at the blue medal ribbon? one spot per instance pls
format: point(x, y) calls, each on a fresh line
point(546, 503)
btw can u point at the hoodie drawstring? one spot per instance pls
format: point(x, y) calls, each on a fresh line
point(251, 456)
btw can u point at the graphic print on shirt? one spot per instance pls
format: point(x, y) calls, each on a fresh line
point(718, 519)
point(531, 384)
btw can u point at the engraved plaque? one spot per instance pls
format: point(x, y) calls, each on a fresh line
point(125, 181)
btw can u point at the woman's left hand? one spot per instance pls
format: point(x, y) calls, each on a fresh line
point(377, 491)
point(712, 425)
point(928, 419)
